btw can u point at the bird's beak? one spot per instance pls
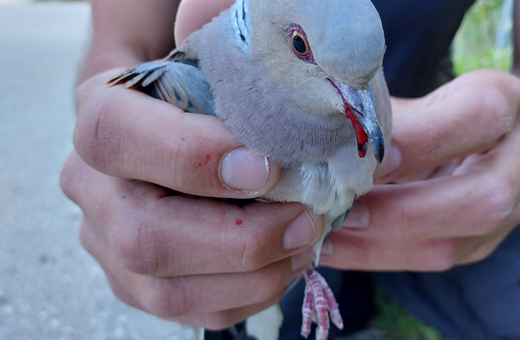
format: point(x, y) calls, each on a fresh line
point(359, 107)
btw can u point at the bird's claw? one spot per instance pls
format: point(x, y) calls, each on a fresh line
point(319, 300)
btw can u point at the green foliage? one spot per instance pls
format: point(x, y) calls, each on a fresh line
point(474, 46)
point(399, 324)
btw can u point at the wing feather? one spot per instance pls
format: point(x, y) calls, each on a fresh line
point(175, 80)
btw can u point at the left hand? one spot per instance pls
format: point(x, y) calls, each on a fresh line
point(456, 153)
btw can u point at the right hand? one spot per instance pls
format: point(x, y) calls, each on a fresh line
point(196, 261)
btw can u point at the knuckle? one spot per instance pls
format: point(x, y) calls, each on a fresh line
point(85, 236)
point(81, 94)
point(68, 178)
point(137, 246)
point(97, 134)
point(251, 251)
point(189, 166)
point(500, 199)
point(500, 121)
point(495, 203)
point(170, 151)
point(120, 293)
point(73, 178)
point(168, 300)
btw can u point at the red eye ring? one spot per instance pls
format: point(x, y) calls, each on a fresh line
point(300, 44)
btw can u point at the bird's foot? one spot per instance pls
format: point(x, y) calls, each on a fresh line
point(318, 300)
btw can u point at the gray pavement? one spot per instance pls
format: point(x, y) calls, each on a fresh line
point(50, 288)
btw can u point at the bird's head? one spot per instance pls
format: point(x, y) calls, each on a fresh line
point(329, 50)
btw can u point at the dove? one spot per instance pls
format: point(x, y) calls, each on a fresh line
point(297, 81)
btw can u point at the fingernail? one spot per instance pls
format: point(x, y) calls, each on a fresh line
point(242, 170)
point(301, 232)
point(358, 218)
point(392, 162)
point(300, 260)
point(327, 248)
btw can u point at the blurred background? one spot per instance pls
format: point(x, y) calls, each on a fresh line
point(50, 288)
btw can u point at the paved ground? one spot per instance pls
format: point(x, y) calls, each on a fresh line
point(50, 288)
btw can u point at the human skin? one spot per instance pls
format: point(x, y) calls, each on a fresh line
point(211, 264)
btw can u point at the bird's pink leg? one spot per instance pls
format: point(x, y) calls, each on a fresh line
point(307, 310)
point(335, 315)
point(318, 300)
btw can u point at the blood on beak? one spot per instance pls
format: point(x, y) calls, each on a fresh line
point(359, 107)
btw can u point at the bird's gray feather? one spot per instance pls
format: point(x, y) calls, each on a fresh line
point(264, 114)
point(277, 113)
point(178, 83)
point(330, 27)
point(279, 106)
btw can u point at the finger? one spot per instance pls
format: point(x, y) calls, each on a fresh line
point(455, 206)
point(193, 14)
point(224, 319)
point(189, 295)
point(472, 114)
point(349, 252)
point(177, 239)
point(212, 321)
point(501, 161)
point(474, 249)
point(84, 186)
point(128, 134)
point(120, 292)
point(159, 235)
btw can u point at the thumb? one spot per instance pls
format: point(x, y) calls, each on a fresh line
point(469, 115)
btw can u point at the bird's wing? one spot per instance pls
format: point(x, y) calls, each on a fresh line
point(175, 79)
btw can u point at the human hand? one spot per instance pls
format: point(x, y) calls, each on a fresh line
point(461, 147)
point(196, 261)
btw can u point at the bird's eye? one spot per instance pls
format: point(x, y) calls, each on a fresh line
point(299, 43)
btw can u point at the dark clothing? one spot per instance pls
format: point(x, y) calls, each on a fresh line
point(418, 37)
point(473, 302)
